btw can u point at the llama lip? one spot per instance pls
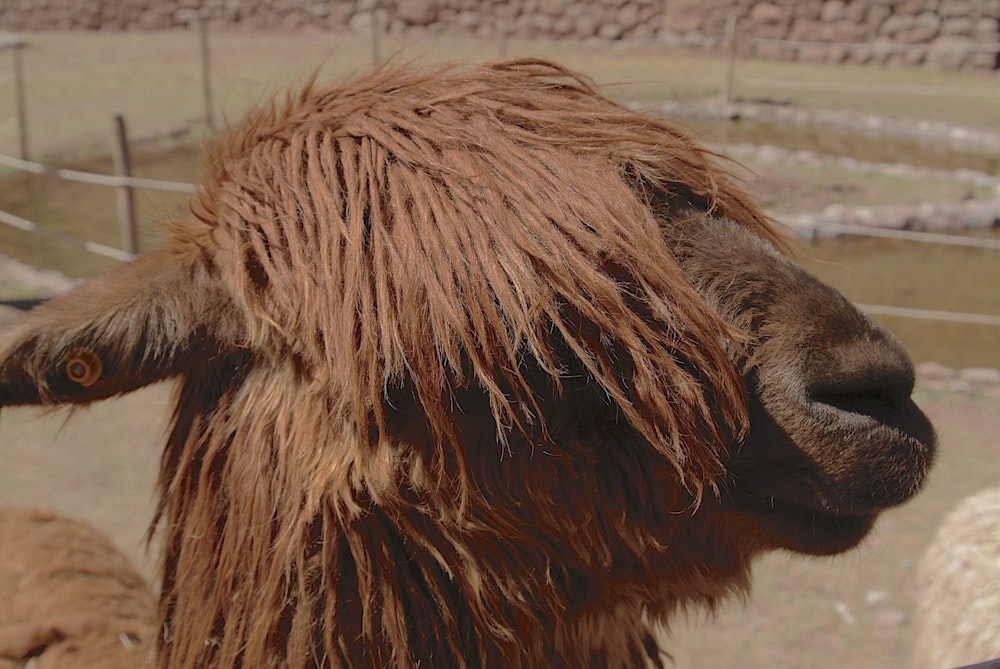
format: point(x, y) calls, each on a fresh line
point(869, 412)
point(815, 507)
point(894, 430)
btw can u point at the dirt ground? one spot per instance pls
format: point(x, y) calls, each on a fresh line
point(854, 611)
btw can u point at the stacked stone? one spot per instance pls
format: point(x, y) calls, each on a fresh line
point(541, 19)
point(946, 33)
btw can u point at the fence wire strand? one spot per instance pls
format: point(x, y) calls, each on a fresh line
point(903, 235)
point(93, 247)
point(177, 186)
point(930, 314)
point(93, 178)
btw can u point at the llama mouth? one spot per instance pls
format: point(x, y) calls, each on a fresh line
point(897, 421)
point(813, 479)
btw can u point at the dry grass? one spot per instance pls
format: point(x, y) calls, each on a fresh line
point(75, 80)
point(88, 212)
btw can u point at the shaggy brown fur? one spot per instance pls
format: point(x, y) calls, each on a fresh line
point(68, 598)
point(463, 356)
point(449, 224)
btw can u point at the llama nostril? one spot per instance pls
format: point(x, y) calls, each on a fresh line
point(868, 374)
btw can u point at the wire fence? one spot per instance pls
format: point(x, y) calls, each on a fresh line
point(20, 223)
point(733, 45)
point(908, 235)
point(96, 179)
point(728, 42)
point(92, 247)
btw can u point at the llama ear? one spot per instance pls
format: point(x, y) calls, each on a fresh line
point(137, 324)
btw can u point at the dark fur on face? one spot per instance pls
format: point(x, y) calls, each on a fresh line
point(478, 368)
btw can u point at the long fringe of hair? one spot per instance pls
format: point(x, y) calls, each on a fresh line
point(444, 226)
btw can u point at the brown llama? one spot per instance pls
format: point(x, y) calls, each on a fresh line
point(477, 369)
point(68, 598)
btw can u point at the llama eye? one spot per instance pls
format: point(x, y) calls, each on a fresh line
point(83, 366)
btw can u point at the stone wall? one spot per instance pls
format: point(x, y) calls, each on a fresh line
point(947, 33)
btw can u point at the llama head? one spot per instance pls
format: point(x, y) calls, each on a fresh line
point(828, 396)
point(488, 304)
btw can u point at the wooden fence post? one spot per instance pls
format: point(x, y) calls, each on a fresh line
point(22, 111)
point(726, 88)
point(206, 72)
point(376, 35)
point(504, 31)
point(123, 193)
